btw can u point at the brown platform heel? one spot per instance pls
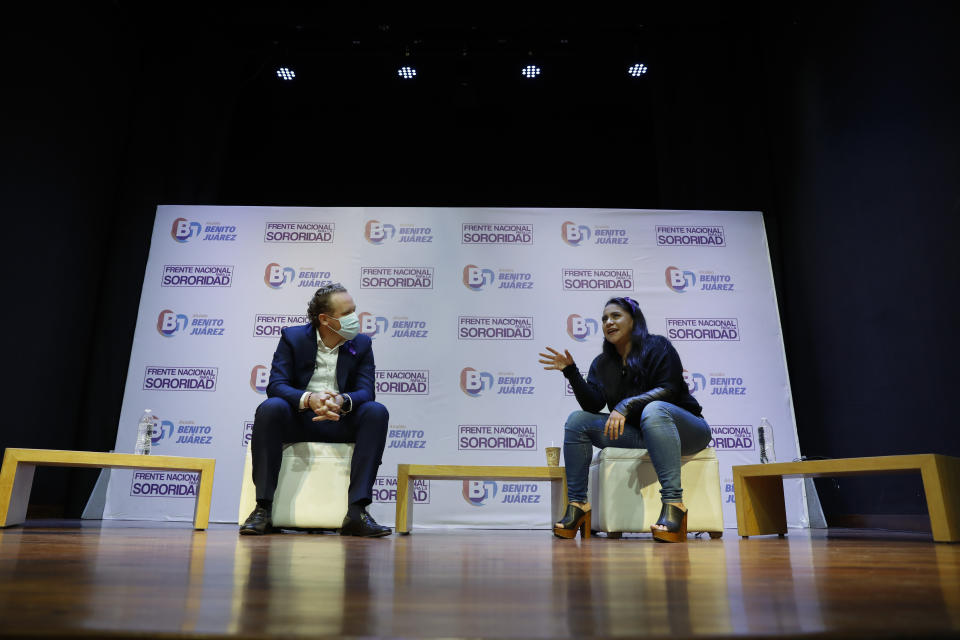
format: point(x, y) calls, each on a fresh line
point(575, 518)
point(675, 520)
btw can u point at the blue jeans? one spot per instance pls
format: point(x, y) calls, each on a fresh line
point(666, 431)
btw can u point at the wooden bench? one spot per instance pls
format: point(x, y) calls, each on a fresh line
point(759, 489)
point(16, 476)
point(407, 473)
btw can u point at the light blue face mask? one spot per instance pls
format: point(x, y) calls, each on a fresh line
point(349, 326)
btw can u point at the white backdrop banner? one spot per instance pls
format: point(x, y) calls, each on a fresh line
point(458, 302)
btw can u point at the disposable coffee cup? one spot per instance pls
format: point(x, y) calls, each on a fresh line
point(553, 456)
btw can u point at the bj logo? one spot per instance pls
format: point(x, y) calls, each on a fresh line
point(161, 431)
point(573, 234)
point(183, 229)
point(376, 232)
point(476, 278)
point(259, 377)
point(371, 325)
point(473, 382)
point(276, 276)
point(679, 280)
point(580, 328)
point(169, 323)
point(695, 381)
point(477, 492)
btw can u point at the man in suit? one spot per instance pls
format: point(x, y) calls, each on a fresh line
point(321, 389)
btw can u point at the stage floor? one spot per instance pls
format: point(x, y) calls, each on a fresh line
point(136, 579)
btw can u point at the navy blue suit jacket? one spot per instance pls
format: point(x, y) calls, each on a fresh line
point(296, 357)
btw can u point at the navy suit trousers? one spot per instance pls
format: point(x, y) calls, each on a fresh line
point(276, 423)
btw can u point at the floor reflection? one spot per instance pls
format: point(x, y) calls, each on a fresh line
point(193, 600)
point(599, 587)
point(641, 587)
point(775, 579)
point(860, 583)
point(948, 570)
point(290, 583)
point(472, 584)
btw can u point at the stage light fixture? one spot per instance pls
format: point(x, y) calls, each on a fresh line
point(531, 71)
point(407, 73)
point(638, 70)
point(285, 73)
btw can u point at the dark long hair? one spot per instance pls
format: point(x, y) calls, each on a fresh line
point(642, 342)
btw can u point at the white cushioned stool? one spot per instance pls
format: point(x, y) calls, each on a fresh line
point(625, 493)
point(312, 487)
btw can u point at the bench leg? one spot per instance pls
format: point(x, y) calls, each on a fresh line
point(201, 512)
point(760, 506)
point(404, 499)
point(16, 481)
point(941, 484)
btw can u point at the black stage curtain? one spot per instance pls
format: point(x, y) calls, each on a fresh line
point(842, 128)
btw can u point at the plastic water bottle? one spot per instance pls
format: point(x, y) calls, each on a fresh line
point(765, 440)
point(144, 433)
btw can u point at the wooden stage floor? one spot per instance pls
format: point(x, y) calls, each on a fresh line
point(133, 579)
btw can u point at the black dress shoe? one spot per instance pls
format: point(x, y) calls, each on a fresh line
point(258, 523)
point(363, 526)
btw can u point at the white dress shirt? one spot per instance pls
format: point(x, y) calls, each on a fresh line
point(324, 376)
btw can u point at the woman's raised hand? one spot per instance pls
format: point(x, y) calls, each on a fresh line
point(556, 360)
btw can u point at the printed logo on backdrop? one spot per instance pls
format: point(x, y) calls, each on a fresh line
point(247, 434)
point(714, 384)
point(183, 432)
point(482, 278)
point(184, 230)
point(497, 437)
point(162, 431)
point(385, 490)
point(170, 323)
point(277, 276)
point(475, 383)
point(299, 232)
point(732, 437)
point(577, 235)
point(494, 328)
point(519, 493)
point(491, 233)
point(476, 278)
point(728, 491)
point(164, 484)
point(573, 234)
point(598, 279)
point(703, 329)
point(196, 275)
point(681, 281)
point(581, 329)
point(399, 327)
point(403, 437)
point(396, 278)
point(568, 389)
point(691, 236)
point(186, 432)
point(377, 233)
point(269, 325)
point(259, 378)
point(180, 378)
point(478, 492)
point(696, 382)
point(403, 382)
